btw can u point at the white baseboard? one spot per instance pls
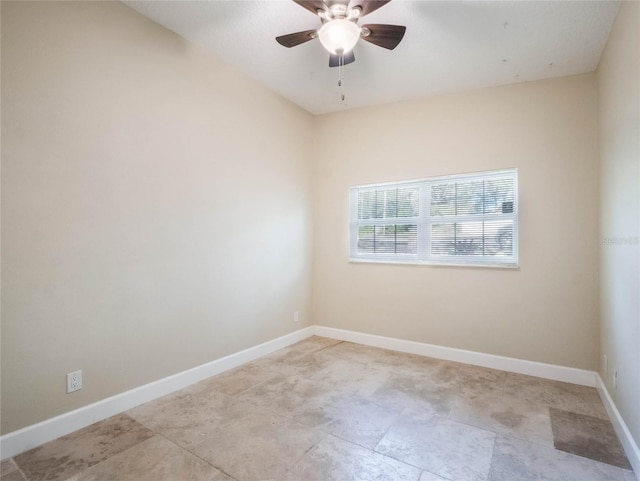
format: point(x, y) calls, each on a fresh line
point(531, 368)
point(628, 443)
point(17, 442)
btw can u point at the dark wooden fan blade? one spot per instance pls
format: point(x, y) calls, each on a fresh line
point(334, 60)
point(312, 5)
point(385, 36)
point(297, 38)
point(368, 6)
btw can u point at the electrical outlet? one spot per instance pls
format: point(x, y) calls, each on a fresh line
point(74, 381)
point(615, 379)
point(296, 316)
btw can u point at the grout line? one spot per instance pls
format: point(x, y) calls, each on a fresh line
point(493, 454)
point(238, 394)
point(373, 451)
point(24, 476)
point(419, 468)
point(192, 453)
point(307, 451)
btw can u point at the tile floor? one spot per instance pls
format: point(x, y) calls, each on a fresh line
point(327, 410)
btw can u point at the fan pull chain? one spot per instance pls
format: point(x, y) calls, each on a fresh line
point(341, 78)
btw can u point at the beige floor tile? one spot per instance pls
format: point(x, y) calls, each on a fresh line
point(426, 476)
point(282, 394)
point(190, 418)
point(260, 446)
point(300, 349)
point(7, 466)
point(349, 351)
point(403, 360)
point(470, 379)
point(300, 359)
point(349, 417)
point(630, 476)
point(346, 377)
point(587, 436)
point(152, 460)
point(69, 455)
point(505, 414)
point(441, 446)
point(514, 459)
point(417, 394)
point(337, 460)
point(294, 365)
point(556, 394)
point(238, 380)
point(310, 344)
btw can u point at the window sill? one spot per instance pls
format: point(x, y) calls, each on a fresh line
point(488, 265)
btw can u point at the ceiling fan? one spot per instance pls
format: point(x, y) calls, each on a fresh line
point(340, 31)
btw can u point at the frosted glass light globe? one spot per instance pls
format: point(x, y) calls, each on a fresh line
point(339, 36)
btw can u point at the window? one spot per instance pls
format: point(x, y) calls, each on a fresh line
point(469, 219)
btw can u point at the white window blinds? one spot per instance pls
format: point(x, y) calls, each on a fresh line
point(463, 219)
point(388, 221)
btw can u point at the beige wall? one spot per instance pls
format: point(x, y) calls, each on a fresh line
point(153, 216)
point(544, 311)
point(619, 107)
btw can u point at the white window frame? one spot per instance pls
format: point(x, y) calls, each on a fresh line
point(425, 221)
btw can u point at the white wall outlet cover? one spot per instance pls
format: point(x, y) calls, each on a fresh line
point(74, 381)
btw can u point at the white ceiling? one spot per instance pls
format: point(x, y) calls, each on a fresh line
point(449, 45)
